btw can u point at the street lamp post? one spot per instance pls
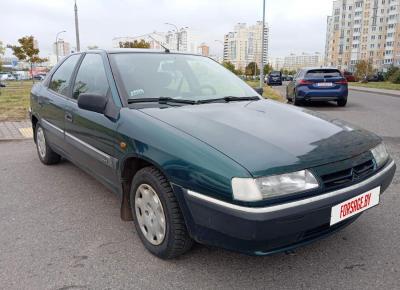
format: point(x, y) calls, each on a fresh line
point(57, 42)
point(262, 49)
point(78, 44)
point(177, 34)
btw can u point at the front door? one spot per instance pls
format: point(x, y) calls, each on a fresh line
point(91, 137)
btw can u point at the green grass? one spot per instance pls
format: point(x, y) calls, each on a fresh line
point(378, 85)
point(14, 100)
point(269, 92)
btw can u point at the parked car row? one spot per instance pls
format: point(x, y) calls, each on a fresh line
point(6, 76)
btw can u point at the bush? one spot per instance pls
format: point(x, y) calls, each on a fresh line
point(391, 72)
point(395, 77)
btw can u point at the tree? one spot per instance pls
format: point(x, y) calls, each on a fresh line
point(252, 69)
point(27, 51)
point(267, 69)
point(2, 50)
point(230, 66)
point(363, 70)
point(135, 44)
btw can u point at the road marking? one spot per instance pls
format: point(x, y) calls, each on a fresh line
point(26, 132)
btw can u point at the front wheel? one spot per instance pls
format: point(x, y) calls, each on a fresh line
point(157, 216)
point(342, 103)
point(46, 154)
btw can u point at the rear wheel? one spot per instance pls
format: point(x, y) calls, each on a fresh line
point(287, 95)
point(342, 103)
point(296, 101)
point(157, 216)
point(46, 154)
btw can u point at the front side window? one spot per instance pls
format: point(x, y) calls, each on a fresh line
point(91, 77)
point(190, 77)
point(61, 79)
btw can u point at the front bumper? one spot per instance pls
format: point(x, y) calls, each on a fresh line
point(276, 228)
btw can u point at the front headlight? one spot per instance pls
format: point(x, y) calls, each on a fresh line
point(380, 154)
point(249, 189)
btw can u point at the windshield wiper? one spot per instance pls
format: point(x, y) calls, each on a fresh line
point(161, 100)
point(228, 99)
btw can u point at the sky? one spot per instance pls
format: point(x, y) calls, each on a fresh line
point(296, 26)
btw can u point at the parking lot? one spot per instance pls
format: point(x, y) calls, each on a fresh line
point(60, 229)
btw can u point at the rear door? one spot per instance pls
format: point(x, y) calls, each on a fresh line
point(53, 100)
point(91, 136)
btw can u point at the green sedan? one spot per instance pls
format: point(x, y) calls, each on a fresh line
point(196, 155)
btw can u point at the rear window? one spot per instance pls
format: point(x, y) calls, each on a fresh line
point(323, 73)
point(275, 73)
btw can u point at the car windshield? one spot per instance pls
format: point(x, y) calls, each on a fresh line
point(323, 73)
point(178, 76)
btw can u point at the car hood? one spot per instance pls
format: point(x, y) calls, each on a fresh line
point(267, 137)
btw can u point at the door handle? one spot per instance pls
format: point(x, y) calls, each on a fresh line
point(68, 117)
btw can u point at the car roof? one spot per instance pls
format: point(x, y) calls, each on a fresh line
point(315, 68)
point(139, 50)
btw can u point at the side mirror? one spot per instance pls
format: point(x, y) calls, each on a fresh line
point(259, 91)
point(92, 102)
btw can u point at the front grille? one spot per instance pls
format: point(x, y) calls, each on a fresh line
point(343, 177)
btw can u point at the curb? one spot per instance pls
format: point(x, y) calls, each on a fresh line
point(14, 139)
point(374, 92)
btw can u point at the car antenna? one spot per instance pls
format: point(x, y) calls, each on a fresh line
point(166, 48)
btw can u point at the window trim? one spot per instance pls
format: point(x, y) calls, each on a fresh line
point(73, 72)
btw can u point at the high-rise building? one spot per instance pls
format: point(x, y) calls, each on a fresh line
point(363, 30)
point(64, 48)
point(203, 49)
point(188, 41)
point(156, 39)
point(244, 45)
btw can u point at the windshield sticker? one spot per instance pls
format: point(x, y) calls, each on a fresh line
point(137, 92)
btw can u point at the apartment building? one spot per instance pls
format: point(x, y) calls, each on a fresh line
point(188, 41)
point(154, 38)
point(298, 61)
point(62, 48)
point(363, 30)
point(244, 45)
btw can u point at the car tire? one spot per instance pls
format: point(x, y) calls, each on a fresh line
point(342, 103)
point(296, 101)
point(157, 216)
point(287, 95)
point(46, 154)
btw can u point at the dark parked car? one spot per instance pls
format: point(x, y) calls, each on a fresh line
point(195, 154)
point(378, 77)
point(318, 84)
point(349, 76)
point(274, 78)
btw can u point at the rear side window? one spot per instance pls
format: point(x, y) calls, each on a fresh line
point(323, 73)
point(91, 77)
point(61, 79)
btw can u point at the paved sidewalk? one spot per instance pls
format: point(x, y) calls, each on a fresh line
point(15, 130)
point(377, 91)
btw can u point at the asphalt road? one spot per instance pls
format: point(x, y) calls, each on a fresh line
point(60, 229)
